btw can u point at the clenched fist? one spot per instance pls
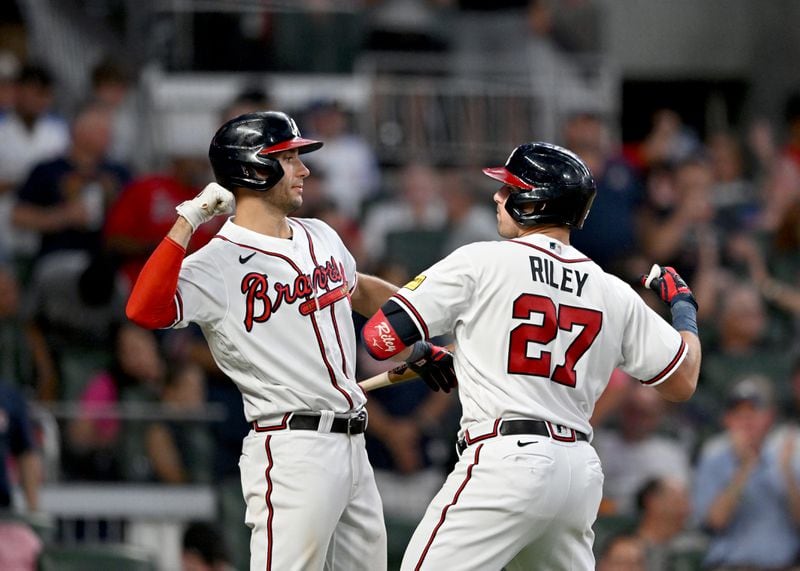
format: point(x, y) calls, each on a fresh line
point(669, 286)
point(212, 201)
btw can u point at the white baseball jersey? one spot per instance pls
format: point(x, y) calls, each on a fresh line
point(539, 328)
point(277, 316)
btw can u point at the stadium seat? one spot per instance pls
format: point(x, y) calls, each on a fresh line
point(96, 558)
point(690, 560)
point(608, 526)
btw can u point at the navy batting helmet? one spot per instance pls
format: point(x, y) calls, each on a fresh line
point(239, 152)
point(551, 185)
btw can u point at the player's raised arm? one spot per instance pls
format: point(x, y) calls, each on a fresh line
point(672, 289)
point(151, 303)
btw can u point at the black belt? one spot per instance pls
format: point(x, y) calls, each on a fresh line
point(540, 427)
point(304, 421)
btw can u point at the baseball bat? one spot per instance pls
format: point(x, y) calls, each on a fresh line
point(399, 374)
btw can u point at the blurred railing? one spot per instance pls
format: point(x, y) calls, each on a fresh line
point(437, 117)
point(434, 105)
point(427, 105)
point(145, 514)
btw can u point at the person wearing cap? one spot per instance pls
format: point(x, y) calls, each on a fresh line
point(747, 489)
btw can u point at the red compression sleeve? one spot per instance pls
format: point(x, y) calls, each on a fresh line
point(380, 338)
point(152, 301)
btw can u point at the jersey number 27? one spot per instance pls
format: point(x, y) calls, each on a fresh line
point(554, 319)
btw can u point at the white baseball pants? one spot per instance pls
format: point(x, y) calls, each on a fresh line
point(517, 501)
point(312, 503)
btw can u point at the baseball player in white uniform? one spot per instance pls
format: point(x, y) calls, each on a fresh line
point(273, 296)
point(538, 328)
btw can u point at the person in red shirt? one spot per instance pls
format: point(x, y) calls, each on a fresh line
point(145, 211)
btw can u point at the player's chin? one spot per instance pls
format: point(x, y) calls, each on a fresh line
point(295, 202)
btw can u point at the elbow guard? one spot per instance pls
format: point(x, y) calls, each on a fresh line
point(389, 331)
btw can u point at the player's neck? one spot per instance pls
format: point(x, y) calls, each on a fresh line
point(560, 233)
point(265, 221)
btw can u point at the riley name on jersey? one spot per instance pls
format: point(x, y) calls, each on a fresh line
point(544, 270)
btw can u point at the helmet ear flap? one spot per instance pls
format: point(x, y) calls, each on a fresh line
point(271, 168)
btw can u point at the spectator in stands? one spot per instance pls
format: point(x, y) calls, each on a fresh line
point(350, 167)
point(623, 552)
point(747, 486)
point(181, 452)
point(248, 100)
point(406, 25)
point(410, 225)
point(791, 412)
point(671, 225)
point(468, 218)
point(65, 199)
point(203, 549)
point(734, 195)
point(555, 75)
point(19, 546)
point(775, 272)
point(635, 452)
point(785, 243)
point(70, 308)
point(9, 68)
point(17, 443)
point(676, 224)
point(742, 345)
point(610, 232)
point(30, 134)
point(111, 86)
point(20, 462)
point(145, 210)
point(664, 510)
point(782, 186)
point(94, 440)
point(670, 141)
point(16, 364)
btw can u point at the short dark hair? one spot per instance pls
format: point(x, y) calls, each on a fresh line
point(205, 540)
point(650, 487)
point(36, 74)
point(791, 109)
point(110, 71)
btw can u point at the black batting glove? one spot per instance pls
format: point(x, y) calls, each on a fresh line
point(434, 365)
point(669, 286)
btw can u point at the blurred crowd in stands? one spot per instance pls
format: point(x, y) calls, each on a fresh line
point(717, 477)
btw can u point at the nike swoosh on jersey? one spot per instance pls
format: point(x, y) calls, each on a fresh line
point(520, 443)
point(245, 259)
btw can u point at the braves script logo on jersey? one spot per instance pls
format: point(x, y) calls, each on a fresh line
point(259, 306)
